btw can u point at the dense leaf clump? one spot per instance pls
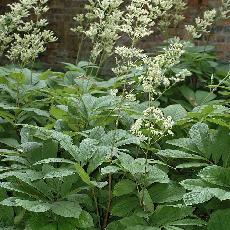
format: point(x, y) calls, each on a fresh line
point(69, 162)
point(147, 149)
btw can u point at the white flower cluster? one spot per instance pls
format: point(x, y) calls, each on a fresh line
point(153, 124)
point(142, 16)
point(128, 58)
point(202, 24)
point(24, 39)
point(138, 20)
point(170, 12)
point(106, 20)
point(181, 75)
point(225, 9)
point(113, 92)
point(157, 67)
point(104, 17)
point(130, 97)
point(26, 48)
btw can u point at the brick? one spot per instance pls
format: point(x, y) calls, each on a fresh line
point(65, 49)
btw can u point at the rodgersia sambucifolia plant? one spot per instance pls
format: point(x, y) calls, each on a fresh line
point(24, 37)
point(105, 22)
point(121, 160)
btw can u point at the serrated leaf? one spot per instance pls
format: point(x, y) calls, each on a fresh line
point(172, 228)
point(85, 220)
point(64, 140)
point(124, 206)
point(200, 135)
point(132, 221)
point(124, 187)
point(191, 165)
point(67, 209)
point(109, 169)
point(82, 173)
point(10, 142)
point(162, 193)
point(176, 111)
point(8, 152)
point(32, 206)
point(202, 195)
point(17, 159)
point(177, 154)
point(185, 143)
point(26, 176)
point(53, 160)
point(166, 214)
point(7, 213)
point(59, 173)
point(216, 175)
point(37, 111)
point(220, 220)
point(141, 227)
point(11, 187)
point(188, 222)
point(146, 200)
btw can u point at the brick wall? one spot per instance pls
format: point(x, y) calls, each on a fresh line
point(65, 49)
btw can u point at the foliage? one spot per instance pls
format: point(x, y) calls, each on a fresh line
point(142, 150)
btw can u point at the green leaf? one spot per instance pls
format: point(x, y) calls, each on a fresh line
point(85, 220)
point(177, 154)
point(141, 227)
point(11, 187)
point(40, 222)
point(66, 209)
point(109, 169)
point(32, 206)
point(140, 168)
point(64, 140)
point(200, 135)
point(203, 97)
point(59, 173)
point(59, 111)
point(146, 200)
point(82, 173)
point(124, 187)
point(132, 221)
point(219, 220)
point(115, 225)
point(216, 175)
point(188, 222)
point(7, 213)
point(191, 165)
point(17, 159)
point(27, 176)
point(10, 142)
point(65, 226)
point(205, 142)
point(162, 193)
point(177, 112)
point(124, 206)
point(172, 228)
point(198, 196)
point(185, 143)
point(188, 94)
point(54, 160)
point(166, 214)
point(39, 112)
point(8, 152)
